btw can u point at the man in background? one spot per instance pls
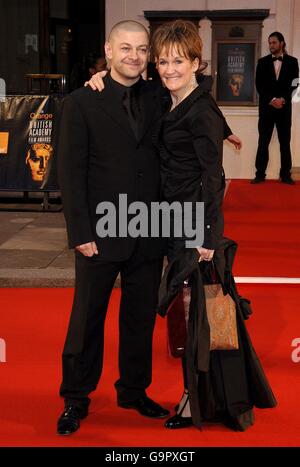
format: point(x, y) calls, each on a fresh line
point(276, 77)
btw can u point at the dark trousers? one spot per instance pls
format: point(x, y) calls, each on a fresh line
point(83, 350)
point(268, 118)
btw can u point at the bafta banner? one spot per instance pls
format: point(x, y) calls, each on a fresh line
point(236, 73)
point(28, 133)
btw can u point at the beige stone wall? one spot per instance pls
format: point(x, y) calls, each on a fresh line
point(285, 17)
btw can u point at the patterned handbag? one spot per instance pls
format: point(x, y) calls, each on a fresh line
point(221, 315)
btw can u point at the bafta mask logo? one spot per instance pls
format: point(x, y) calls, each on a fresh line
point(37, 159)
point(236, 83)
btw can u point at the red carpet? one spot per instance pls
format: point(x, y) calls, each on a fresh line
point(265, 221)
point(33, 323)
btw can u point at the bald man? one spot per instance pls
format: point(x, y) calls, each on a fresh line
point(105, 150)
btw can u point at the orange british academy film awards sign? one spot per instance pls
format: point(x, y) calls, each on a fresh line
point(4, 137)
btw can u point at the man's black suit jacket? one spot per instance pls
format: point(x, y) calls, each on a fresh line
point(266, 84)
point(100, 158)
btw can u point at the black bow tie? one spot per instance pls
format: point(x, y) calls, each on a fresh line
point(277, 58)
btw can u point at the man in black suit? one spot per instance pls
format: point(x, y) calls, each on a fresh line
point(106, 149)
point(276, 77)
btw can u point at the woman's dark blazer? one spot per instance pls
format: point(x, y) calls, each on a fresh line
point(191, 150)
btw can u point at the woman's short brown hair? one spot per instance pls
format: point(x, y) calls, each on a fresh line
point(181, 34)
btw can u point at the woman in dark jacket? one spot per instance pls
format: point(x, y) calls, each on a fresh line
point(191, 147)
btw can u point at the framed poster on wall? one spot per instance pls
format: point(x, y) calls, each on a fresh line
point(235, 73)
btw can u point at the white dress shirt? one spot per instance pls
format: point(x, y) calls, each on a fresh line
point(277, 66)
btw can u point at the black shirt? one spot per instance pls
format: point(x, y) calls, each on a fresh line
point(130, 100)
point(120, 88)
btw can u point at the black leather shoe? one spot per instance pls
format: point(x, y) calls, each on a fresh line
point(146, 407)
point(288, 181)
point(257, 180)
point(69, 421)
point(177, 421)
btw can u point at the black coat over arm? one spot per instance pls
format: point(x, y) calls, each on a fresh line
point(231, 379)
